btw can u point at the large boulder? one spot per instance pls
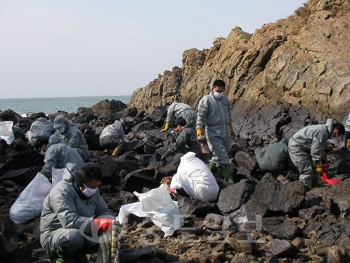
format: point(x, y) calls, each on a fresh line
point(278, 197)
point(108, 106)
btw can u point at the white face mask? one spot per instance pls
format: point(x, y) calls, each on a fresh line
point(42, 153)
point(218, 95)
point(62, 129)
point(89, 191)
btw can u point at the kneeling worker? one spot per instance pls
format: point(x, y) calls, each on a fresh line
point(185, 142)
point(73, 213)
point(57, 156)
point(112, 137)
point(306, 149)
point(67, 133)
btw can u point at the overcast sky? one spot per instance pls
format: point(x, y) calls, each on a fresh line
point(66, 48)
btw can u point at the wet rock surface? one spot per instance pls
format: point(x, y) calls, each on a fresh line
point(259, 218)
point(285, 74)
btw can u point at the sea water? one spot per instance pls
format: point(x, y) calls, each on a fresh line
point(25, 107)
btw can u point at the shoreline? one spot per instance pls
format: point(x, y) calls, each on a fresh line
point(25, 107)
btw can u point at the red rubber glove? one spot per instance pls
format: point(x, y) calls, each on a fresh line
point(102, 223)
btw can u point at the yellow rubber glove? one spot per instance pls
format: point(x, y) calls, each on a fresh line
point(319, 167)
point(233, 135)
point(115, 152)
point(329, 147)
point(200, 132)
point(167, 125)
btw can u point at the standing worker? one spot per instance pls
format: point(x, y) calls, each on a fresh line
point(306, 149)
point(214, 117)
point(177, 109)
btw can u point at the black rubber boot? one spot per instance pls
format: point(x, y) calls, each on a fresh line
point(3, 146)
point(80, 257)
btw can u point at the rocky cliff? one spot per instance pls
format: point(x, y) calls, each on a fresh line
point(283, 74)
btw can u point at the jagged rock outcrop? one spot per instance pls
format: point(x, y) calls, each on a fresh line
point(285, 72)
point(159, 91)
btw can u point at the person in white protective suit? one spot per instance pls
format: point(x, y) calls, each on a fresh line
point(57, 156)
point(195, 178)
point(307, 147)
point(112, 137)
point(67, 133)
point(41, 128)
point(215, 118)
point(178, 109)
point(73, 215)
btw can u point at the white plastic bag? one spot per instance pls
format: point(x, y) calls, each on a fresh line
point(29, 203)
point(126, 210)
point(59, 174)
point(159, 206)
point(6, 131)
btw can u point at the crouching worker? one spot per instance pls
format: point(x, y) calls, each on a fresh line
point(112, 137)
point(67, 133)
point(73, 214)
point(194, 176)
point(57, 156)
point(306, 149)
point(274, 158)
point(185, 142)
point(176, 110)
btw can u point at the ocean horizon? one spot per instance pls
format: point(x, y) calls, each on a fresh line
point(50, 105)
